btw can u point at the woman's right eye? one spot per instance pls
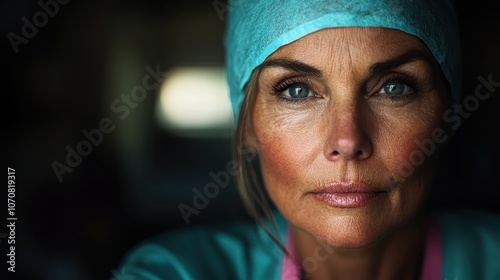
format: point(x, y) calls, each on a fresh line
point(293, 91)
point(297, 92)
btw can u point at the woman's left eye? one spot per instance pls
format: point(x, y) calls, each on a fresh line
point(395, 88)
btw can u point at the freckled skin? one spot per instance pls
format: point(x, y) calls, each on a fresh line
point(347, 134)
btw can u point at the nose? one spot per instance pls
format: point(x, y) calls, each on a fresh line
point(348, 137)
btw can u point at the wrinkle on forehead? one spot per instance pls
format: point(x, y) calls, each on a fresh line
point(349, 50)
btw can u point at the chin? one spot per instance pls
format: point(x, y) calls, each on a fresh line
point(344, 229)
point(351, 232)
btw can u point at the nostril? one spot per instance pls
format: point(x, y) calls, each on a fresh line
point(349, 153)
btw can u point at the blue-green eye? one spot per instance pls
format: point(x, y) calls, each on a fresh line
point(394, 88)
point(297, 91)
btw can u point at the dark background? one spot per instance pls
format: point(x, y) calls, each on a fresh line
point(64, 80)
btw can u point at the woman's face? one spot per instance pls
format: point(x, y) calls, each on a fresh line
point(336, 118)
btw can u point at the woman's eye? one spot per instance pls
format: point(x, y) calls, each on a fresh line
point(395, 88)
point(297, 91)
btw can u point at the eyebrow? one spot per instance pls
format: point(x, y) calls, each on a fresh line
point(293, 65)
point(409, 56)
point(380, 67)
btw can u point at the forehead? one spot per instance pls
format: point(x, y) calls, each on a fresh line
point(355, 46)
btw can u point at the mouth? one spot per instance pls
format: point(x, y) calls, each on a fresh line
point(348, 194)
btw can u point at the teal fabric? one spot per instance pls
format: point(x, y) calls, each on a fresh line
point(471, 245)
point(257, 28)
point(236, 251)
point(470, 239)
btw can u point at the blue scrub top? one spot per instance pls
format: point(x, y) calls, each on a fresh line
point(470, 250)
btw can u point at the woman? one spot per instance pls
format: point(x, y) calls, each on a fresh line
point(342, 102)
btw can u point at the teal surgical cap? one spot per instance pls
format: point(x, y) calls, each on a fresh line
point(257, 28)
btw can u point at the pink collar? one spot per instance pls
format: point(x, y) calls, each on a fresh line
point(433, 260)
point(431, 267)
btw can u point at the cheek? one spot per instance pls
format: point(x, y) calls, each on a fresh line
point(288, 145)
point(287, 149)
point(406, 145)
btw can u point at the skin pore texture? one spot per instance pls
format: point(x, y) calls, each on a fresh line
point(345, 107)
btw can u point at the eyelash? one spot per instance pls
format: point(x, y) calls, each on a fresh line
point(407, 79)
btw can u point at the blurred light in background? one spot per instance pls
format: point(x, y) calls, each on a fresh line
point(194, 102)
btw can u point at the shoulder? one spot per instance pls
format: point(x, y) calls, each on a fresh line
point(231, 251)
point(471, 244)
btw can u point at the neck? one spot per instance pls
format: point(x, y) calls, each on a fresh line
point(396, 256)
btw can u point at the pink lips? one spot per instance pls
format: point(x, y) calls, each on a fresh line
point(347, 194)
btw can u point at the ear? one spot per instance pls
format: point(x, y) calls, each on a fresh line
point(246, 145)
point(249, 138)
